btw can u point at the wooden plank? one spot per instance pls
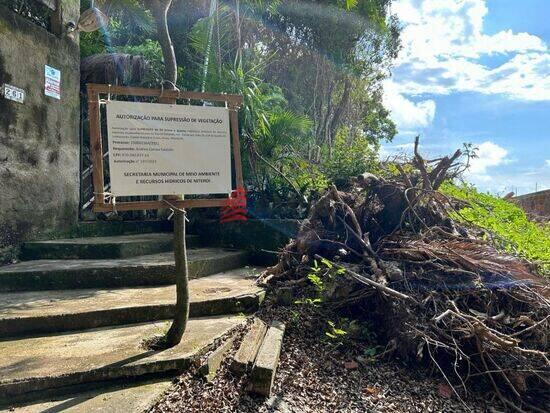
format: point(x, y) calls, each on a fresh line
point(214, 360)
point(166, 94)
point(265, 367)
point(96, 146)
point(141, 205)
point(244, 358)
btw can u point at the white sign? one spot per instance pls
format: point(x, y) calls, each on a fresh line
point(52, 86)
point(13, 93)
point(159, 149)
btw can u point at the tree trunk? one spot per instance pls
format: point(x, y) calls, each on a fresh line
point(174, 335)
point(159, 9)
point(335, 121)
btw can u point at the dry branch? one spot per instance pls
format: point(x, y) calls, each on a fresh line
point(437, 292)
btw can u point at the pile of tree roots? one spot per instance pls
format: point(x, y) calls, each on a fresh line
point(437, 289)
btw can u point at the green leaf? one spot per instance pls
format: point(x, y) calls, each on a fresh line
point(351, 4)
point(327, 263)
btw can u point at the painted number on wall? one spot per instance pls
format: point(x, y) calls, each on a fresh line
point(13, 93)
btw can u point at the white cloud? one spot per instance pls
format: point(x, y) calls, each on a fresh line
point(444, 44)
point(482, 174)
point(489, 154)
point(547, 162)
point(509, 42)
point(408, 115)
point(520, 181)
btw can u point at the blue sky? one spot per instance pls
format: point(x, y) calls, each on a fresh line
point(476, 71)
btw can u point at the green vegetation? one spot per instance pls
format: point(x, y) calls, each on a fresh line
point(321, 274)
point(512, 230)
point(310, 73)
point(334, 332)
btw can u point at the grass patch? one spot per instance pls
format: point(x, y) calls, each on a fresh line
point(515, 233)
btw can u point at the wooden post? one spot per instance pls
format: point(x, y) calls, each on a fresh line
point(175, 333)
point(234, 121)
point(96, 146)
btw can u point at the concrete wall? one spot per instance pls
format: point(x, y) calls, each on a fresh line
point(536, 203)
point(262, 238)
point(39, 139)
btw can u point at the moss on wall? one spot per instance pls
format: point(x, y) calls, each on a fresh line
point(39, 142)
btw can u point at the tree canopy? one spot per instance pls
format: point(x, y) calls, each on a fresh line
point(310, 72)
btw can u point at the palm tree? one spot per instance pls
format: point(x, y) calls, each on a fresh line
point(159, 11)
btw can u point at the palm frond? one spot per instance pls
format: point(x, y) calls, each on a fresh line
point(132, 12)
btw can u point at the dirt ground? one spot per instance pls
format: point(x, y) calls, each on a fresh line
point(317, 375)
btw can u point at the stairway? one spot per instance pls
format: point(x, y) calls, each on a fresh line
point(74, 314)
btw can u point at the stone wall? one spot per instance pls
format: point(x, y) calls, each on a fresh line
point(536, 203)
point(39, 139)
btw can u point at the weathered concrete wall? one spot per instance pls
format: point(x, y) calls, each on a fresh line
point(262, 238)
point(536, 203)
point(39, 143)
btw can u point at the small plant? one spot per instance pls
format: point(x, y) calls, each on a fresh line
point(334, 332)
point(315, 277)
point(320, 273)
point(370, 352)
point(294, 317)
point(310, 301)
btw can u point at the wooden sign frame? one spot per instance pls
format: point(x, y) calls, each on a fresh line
point(233, 103)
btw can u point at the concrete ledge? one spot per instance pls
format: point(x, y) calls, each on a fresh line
point(257, 236)
point(246, 354)
point(24, 313)
point(214, 360)
point(54, 361)
point(112, 397)
point(265, 367)
point(13, 327)
point(108, 229)
point(157, 269)
point(120, 246)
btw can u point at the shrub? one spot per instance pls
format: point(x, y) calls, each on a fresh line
point(352, 154)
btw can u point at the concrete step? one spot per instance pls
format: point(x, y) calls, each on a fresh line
point(155, 269)
point(111, 398)
point(36, 312)
point(119, 246)
point(53, 362)
point(112, 227)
